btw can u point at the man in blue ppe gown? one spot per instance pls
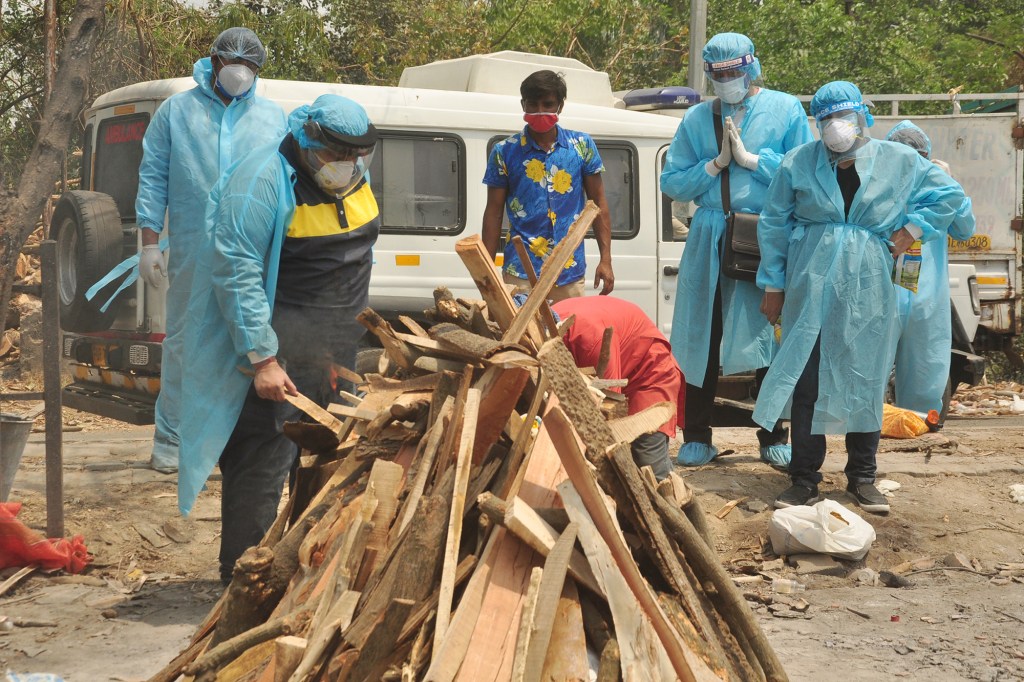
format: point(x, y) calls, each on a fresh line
point(837, 213)
point(925, 333)
point(716, 318)
point(284, 273)
point(192, 140)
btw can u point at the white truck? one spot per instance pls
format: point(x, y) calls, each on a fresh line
point(437, 128)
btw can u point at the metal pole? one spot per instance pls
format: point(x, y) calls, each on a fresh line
point(52, 392)
point(698, 36)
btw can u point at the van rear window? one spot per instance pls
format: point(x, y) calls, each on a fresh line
point(118, 153)
point(417, 180)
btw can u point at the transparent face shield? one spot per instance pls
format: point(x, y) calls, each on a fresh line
point(844, 133)
point(729, 80)
point(337, 168)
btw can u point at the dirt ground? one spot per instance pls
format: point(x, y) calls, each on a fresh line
point(154, 577)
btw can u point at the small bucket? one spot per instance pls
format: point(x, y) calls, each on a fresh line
point(14, 432)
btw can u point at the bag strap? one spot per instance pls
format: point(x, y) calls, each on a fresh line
point(716, 114)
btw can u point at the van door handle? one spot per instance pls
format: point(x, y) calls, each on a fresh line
point(671, 270)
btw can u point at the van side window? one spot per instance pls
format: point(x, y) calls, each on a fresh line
point(119, 152)
point(417, 180)
point(620, 188)
point(86, 161)
point(675, 215)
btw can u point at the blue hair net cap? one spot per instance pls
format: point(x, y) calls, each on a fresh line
point(334, 112)
point(905, 132)
point(727, 51)
point(239, 43)
point(838, 96)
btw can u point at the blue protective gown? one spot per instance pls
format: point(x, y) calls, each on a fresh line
point(837, 274)
point(231, 305)
point(191, 141)
point(925, 334)
point(773, 124)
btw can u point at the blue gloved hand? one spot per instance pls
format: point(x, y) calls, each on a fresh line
point(696, 454)
point(777, 456)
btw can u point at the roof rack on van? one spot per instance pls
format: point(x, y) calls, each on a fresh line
point(500, 73)
point(671, 97)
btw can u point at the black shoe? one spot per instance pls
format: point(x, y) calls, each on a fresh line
point(795, 496)
point(868, 497)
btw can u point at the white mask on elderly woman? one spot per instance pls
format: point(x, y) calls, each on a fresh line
point(839, 134)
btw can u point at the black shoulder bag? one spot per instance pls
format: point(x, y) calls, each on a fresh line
point(741, 254)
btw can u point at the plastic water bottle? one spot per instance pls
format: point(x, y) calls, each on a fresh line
point(787, 586)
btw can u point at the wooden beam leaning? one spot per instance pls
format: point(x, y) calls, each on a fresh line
point(481, 267)
point(549, 274)
point(545, 309)
point(550, 590)
point(463, 464)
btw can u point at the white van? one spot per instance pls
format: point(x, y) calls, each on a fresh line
point(437, 128)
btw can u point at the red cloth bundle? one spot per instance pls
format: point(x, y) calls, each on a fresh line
point(20, 546)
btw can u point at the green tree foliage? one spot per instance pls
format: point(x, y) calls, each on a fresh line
point(916, 46)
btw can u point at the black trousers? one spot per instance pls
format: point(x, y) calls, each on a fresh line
point(809, 448)
point(700, 400)
point(258, 456)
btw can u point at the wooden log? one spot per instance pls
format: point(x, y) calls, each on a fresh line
point(707, 566)
point(173, 670)
point(428, 609)
point(426, 464)
point(509, 476)
point(528, 526)
point(410, 571)
point(545, 310)
point(552, 581)
point(360, 413)
point(229, 650)
point(553, 267)
point(525, 635)
point(500, 390)
point(413, 326)
point(396, 349)
point(456, 339)
point(499, 303)
point(567, 650)
point(337, 617)
point(606, 352)
point(385, 483)
point(451, 555)
point(648, 420)
point(644, 656)
point(374, 655)
point(288, 652)
point(609, 668)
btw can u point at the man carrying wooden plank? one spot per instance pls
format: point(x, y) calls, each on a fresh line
point(639, 353)
point(284, 273)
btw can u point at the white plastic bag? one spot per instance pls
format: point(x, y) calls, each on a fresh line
point(826, 528)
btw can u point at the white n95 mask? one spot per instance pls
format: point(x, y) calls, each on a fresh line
point(338, 177)
point(236, 79)
point(839, 134)
point(732, 91)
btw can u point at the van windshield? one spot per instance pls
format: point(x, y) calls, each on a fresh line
point(118, 154)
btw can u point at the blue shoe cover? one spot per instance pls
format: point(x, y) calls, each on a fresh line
point(777, 456)
point(695, 454)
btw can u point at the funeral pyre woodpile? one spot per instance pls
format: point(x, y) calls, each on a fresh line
point(439, 530)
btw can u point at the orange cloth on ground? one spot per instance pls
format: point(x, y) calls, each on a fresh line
point(21, 546)
point(900, 423)
point(640, 353)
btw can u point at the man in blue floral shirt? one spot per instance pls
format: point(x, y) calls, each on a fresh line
point(544, 176)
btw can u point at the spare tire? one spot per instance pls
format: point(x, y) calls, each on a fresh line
point(87, 229)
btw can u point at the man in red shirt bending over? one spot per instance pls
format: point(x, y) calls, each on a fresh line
point(639, 353)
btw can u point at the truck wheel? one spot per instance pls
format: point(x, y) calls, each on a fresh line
point(87, 229)
point(368, 360)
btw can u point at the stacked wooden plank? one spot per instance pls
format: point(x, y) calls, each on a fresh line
point(476, 516)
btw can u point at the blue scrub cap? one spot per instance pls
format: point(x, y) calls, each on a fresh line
point(239, 43)
point(909, 134)
point(346, 119)
point(727, 51)
point(839, 96)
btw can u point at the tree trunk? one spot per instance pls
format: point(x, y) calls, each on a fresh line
point(50, 22)
point(19, 213)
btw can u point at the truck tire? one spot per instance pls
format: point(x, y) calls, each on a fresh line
point(87, 229)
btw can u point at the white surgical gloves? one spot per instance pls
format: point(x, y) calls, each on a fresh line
point(153, 265)
point(732, 150)
point(739, 152)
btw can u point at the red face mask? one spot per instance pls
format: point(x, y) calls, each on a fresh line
point(541, 122)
